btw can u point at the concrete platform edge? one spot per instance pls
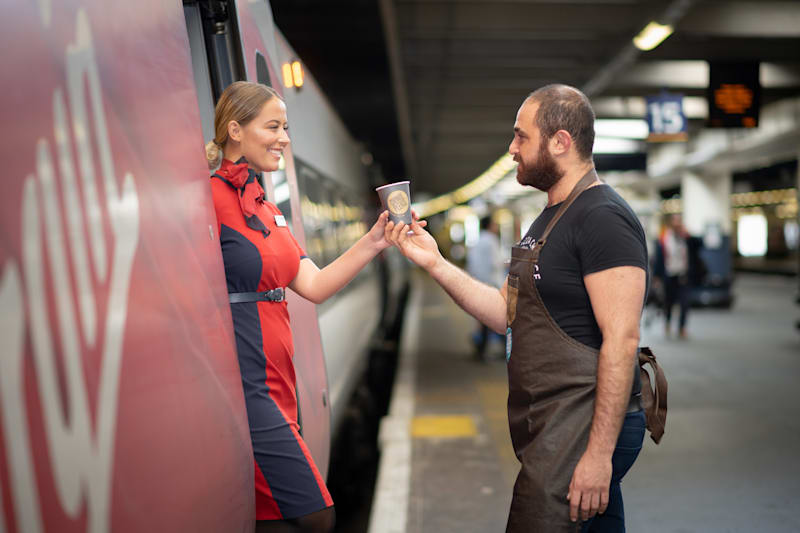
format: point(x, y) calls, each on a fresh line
point(390, 500)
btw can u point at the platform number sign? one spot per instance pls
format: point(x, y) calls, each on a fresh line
point(665, 118)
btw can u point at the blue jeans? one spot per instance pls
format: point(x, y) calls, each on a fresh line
point(629, 444)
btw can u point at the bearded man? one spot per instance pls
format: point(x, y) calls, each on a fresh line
point(570, 309)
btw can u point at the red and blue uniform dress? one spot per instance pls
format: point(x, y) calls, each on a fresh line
point(261, 254)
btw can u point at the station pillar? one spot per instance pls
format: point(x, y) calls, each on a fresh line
point(706, 203)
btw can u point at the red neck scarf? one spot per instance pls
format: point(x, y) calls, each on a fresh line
point(245, 180)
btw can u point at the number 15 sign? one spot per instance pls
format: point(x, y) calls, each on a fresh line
point(665, 118)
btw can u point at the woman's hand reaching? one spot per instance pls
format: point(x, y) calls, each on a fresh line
point(318, 285)
point(377, 234)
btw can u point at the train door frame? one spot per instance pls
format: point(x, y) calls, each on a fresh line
point(216, 61)
point(220, 34)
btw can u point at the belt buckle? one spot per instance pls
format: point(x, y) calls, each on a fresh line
point(275, 295)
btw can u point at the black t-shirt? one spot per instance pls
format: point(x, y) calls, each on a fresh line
point(597, 232)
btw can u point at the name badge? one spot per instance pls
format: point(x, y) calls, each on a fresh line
point(280, 221)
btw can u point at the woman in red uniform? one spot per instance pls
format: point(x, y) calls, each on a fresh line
point(261, 258)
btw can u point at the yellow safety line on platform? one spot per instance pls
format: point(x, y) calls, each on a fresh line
point(431, 426)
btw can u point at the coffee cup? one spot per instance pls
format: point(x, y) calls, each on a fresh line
point(395, 198)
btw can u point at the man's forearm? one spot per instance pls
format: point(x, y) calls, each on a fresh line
point(615, 367)
point(485, 303)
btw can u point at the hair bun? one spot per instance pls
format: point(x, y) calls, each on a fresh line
point(213, 154)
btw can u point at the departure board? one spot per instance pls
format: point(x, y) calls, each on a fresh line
point(734, 95)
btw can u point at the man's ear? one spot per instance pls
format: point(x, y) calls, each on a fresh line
point(560, 142)
point(234, 131)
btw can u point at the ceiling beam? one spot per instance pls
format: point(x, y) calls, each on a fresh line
point(595, 3)
point(502, 34)
point(627, 56)
point(744, 19)
point(689, 46)
point(552, 18)
point(389, 19)
point(694, 74)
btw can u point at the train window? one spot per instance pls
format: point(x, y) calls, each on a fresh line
point(332, 230)
point(282, 194)
point(313, 206)
point(262, 72)
point(329, 223)
point(352, 226)
point(339, 217)
point(333, 218)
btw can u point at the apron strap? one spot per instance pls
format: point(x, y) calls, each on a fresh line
point(583, 184)
point(588, 178)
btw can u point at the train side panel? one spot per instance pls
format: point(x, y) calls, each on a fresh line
point(120, 397)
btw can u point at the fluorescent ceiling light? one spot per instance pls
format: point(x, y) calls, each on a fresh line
point(651, 36)
point(467, 192)
point(610, 145)
point(621, 128)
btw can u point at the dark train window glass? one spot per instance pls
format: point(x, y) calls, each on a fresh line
point(333, 218)
point(313, 205)
point(329, 223)
point(262, 72)
point(282, 195)
point(335, 223)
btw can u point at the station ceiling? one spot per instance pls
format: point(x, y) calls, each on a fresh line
point(431, 87)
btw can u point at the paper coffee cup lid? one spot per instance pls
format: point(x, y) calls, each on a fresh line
point(391, 184)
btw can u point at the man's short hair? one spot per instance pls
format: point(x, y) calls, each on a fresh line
point(562, 107)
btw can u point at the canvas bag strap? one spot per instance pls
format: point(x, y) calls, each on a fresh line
point(654, 399)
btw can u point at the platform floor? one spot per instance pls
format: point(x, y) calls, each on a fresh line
point(729, 462)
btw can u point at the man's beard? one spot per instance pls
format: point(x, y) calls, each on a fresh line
point(543, 174)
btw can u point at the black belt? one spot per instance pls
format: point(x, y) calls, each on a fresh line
point(634, 404)
point(275, 295)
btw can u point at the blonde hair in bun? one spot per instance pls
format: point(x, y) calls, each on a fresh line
point(213, 154)
point(241, 101)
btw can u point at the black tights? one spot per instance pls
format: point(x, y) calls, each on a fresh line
point(317, 522)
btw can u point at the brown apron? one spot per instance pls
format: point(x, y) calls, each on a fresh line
point(551, 380)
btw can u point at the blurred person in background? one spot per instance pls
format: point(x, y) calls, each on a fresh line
point(677, 268)
point(484, 264)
